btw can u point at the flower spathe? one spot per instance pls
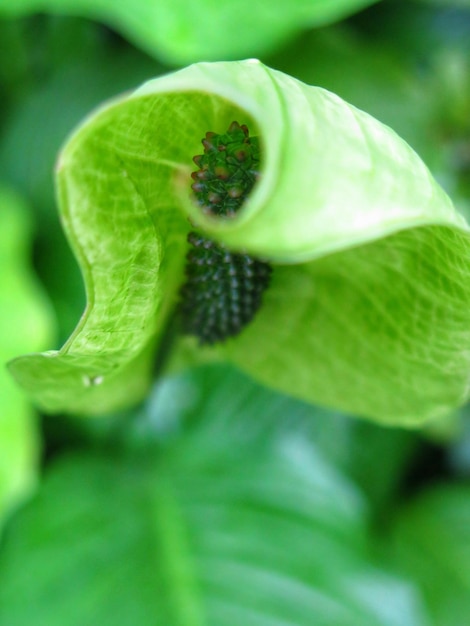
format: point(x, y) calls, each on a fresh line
point(368, 310)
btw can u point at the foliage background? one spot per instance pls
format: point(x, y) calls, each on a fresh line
point(217, 501)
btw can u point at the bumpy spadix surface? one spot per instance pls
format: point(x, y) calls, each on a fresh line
point(369, 305)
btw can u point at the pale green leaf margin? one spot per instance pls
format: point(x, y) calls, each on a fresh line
point(368, 310)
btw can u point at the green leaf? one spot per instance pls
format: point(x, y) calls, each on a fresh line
point(182, 31)
point(432, 545)
point(25, 324)
point(369, 306)
point(218, 526)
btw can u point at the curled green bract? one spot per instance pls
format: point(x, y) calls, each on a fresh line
point(368, 310)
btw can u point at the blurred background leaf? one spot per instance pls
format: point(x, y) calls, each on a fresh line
point(183, 31)
point(26, 323)
point(205, 521)
point(431, 544)
point(354, 447)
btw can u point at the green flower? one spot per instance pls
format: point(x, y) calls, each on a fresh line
point(368, 309)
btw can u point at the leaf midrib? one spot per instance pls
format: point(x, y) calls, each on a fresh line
point(173, 558)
